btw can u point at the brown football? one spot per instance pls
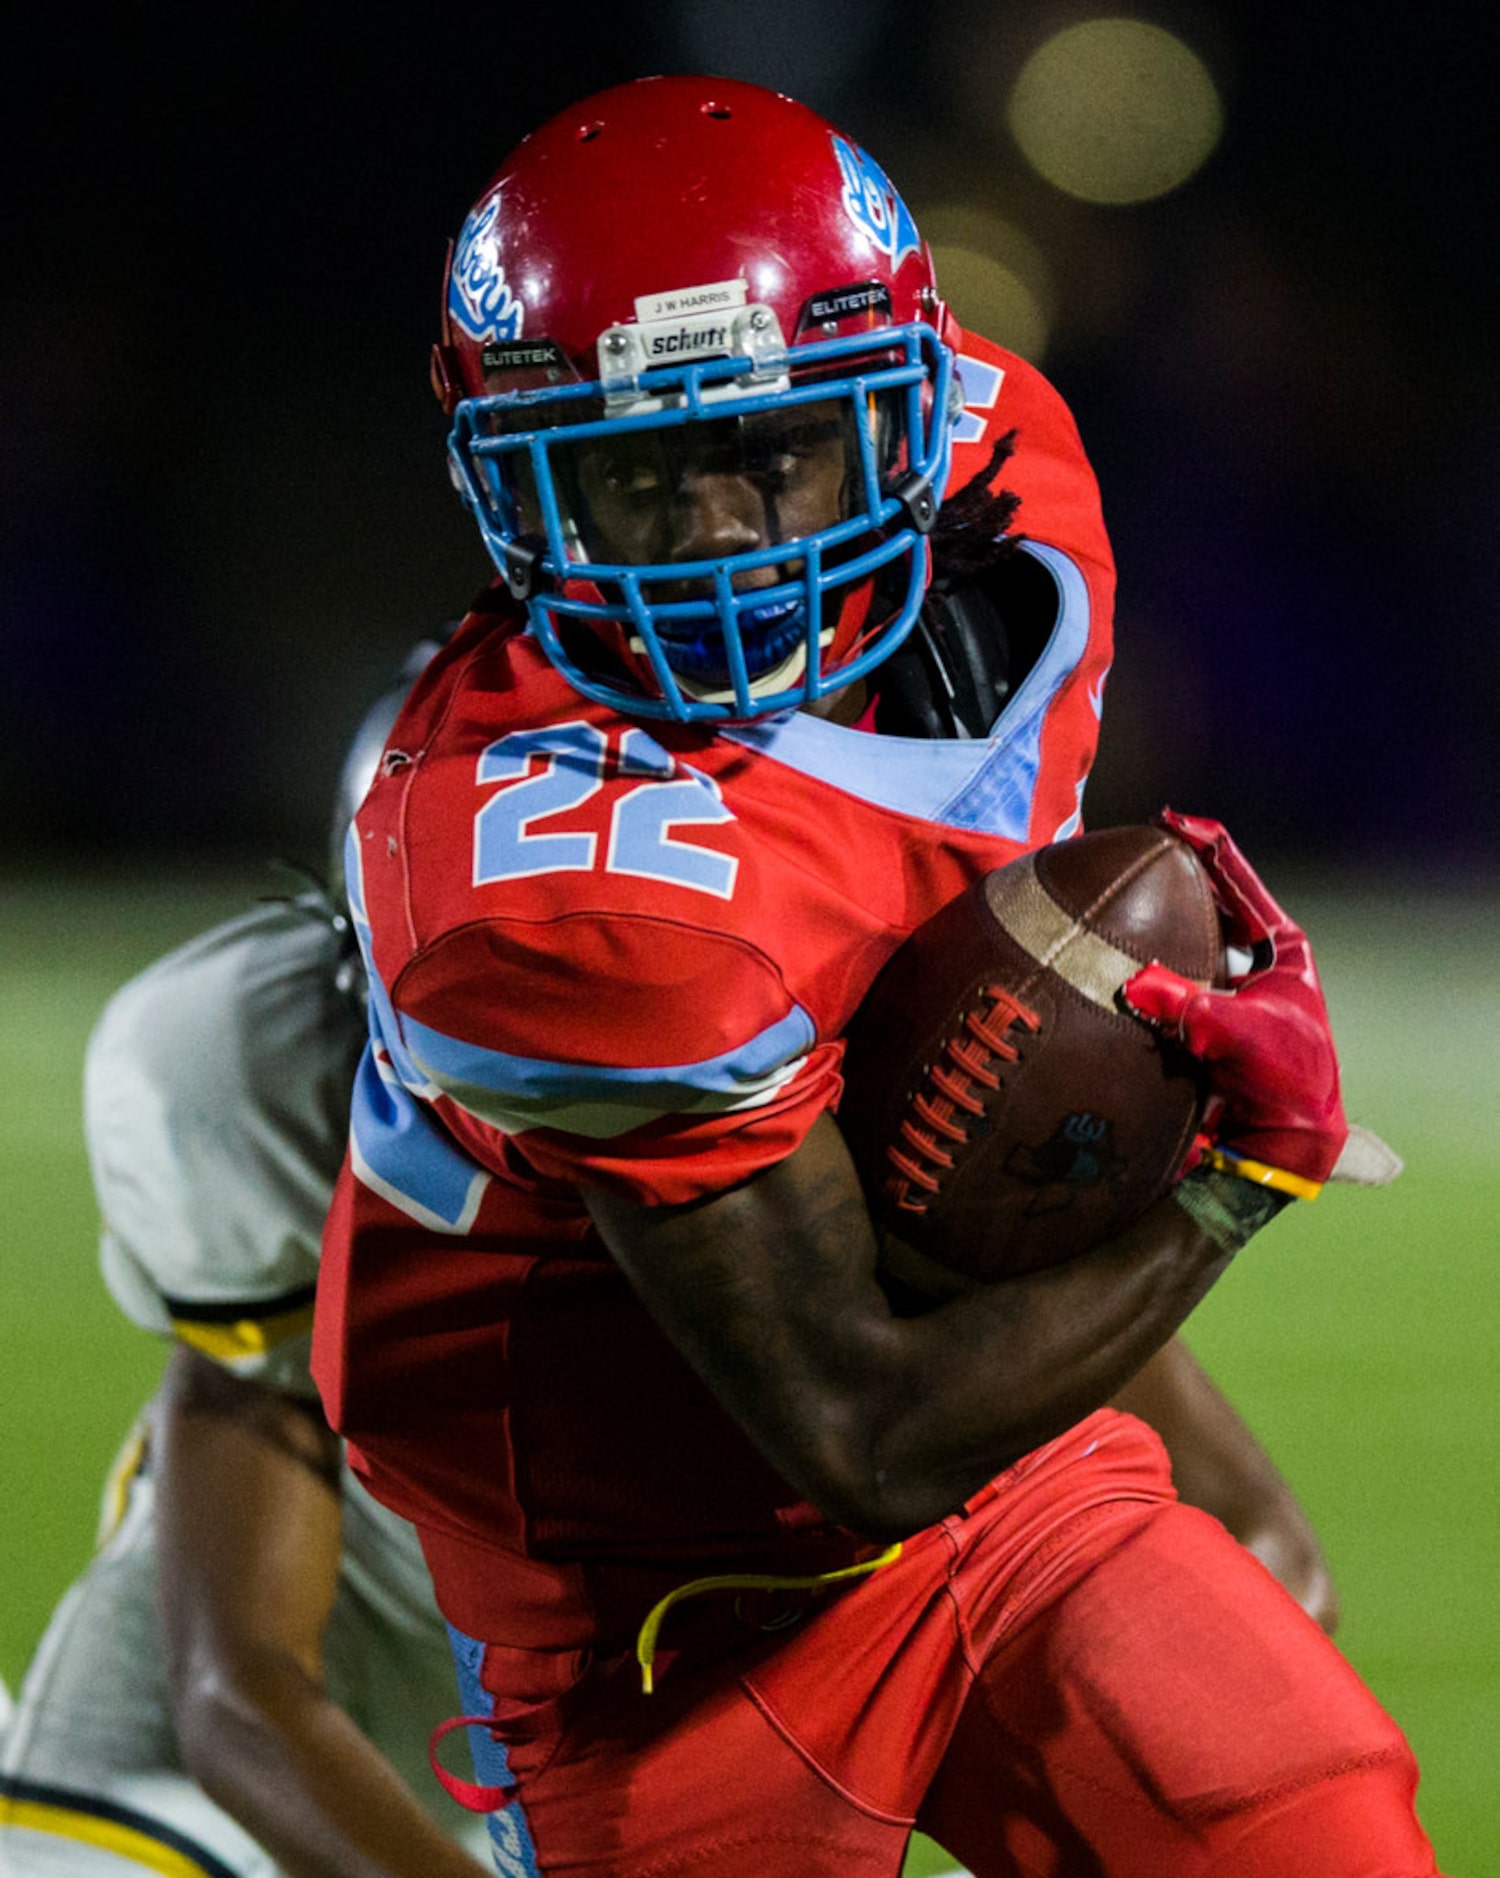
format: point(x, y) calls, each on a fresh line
point(1004, 1111)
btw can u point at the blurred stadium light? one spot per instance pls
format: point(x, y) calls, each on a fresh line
point(993, 275)
point(1282, 369)
point(1115, 111)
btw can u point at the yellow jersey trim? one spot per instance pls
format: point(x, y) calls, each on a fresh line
point(129, 1463)
point(246, 1336)
point(133, 1842)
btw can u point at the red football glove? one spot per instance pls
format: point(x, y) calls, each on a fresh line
point(1266, 1044)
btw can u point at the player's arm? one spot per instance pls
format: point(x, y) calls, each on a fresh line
point(884, 1422)
point(250, 1531)
point(888, 1422)
point(1218, 1464)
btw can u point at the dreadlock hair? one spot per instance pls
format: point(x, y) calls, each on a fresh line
point(981, 625)
point(972, 529)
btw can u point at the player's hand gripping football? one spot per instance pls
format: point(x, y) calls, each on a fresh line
point(1276, 1115)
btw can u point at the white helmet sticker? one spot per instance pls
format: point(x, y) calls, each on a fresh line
point(715, 297)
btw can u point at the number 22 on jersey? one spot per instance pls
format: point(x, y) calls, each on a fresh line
point(546, 774)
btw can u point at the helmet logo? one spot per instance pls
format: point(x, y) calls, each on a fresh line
point(480, 301)
point(871, 203)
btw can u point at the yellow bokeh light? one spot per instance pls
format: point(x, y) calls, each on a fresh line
point(992, 275)
point(1116, 111)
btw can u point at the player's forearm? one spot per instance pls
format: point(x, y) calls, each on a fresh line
point(269, 1746)
point(249, 1532)
point(884, 1422)
point(1010, 1365)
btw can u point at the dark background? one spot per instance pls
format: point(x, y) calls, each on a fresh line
point(224, 510)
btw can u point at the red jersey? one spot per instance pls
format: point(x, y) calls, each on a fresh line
point(612, 955)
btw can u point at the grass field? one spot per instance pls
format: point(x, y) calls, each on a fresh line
point(1358, 1336)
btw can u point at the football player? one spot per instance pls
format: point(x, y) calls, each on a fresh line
point(216, 1104)
point(751, 1565)
point(238, 1683)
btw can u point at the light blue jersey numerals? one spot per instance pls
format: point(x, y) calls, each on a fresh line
point(548, 773)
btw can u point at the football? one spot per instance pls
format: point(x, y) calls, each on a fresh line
point(1005, 1111)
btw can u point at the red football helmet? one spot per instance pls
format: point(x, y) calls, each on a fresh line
point(702, 402)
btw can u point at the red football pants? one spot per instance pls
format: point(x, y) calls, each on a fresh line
point(1076, 1678)
point(1175, 1713)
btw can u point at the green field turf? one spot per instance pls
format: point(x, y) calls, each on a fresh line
point(1358, 1336)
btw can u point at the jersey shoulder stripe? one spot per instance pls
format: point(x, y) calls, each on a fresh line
point(399, 1149)
point(240, 1329)
point(83, 1818)
point(515, 1093)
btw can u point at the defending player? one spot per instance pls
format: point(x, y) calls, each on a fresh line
point(600, 1305)
point(301, 1649)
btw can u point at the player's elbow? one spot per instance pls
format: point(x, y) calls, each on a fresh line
point(885, 1511)
point(232, 1717)
point(1296, 1560)
point(884, 1506)
point(211, 1712)
point(876, 1482)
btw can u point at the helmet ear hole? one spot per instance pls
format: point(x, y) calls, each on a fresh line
point(447, 378)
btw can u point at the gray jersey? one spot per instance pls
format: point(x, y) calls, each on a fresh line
point(215, 1095)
